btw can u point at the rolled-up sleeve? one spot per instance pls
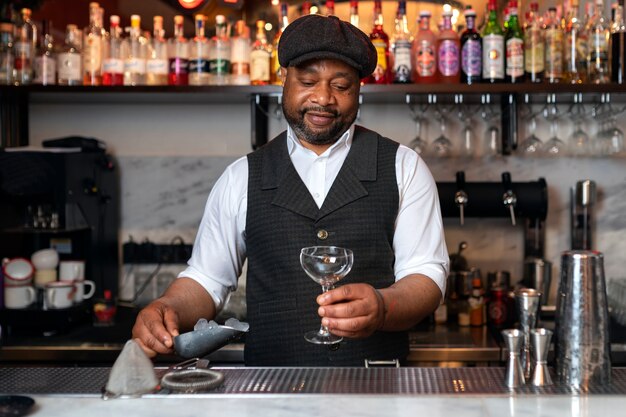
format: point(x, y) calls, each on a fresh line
point(419, 241)
point(219, 249)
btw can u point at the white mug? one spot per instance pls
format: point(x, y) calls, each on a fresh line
point(59, 294)
point(18, 272)
point(19, 297)
point(72, 270)
point(80, 294)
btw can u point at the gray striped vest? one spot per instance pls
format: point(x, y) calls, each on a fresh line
point(358, 213)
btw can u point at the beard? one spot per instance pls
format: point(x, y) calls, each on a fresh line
point(328, 136)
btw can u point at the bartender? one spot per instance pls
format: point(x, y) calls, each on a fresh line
point(324, 181)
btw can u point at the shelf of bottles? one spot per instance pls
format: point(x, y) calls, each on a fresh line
point(554, 57)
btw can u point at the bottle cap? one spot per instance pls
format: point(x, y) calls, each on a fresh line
point(220, 19)
point(425, 13)
point(178, 19)
point(476, 283)
point(469, 12)
point(114, 19)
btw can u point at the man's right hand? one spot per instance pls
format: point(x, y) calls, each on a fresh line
point(155, 328)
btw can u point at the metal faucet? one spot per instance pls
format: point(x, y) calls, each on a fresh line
point(460, 197)
point(509, 198)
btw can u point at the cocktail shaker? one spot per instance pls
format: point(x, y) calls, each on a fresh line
point(582, 345)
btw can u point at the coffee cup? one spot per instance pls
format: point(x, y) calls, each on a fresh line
point(59, 294)
point(18, 272)
point(19, 296)
point(45, 259)
point(81, 294)
point(72, 270)
point(45, 276)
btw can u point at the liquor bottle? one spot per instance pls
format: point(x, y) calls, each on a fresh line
point(69, 59)
point(493, 47)
point(477, 301)
point(274, 64)
point(382, 72)
point(354, 13)
point(112, 64)
point(448, 52)
point(330, 7)
point(135, 54)
point(157, 61)
point(471, 50)
point(514, 45)
point(199, 54)
point(260, 57)
point(401, 47)
point(425, 51)
point(93, 47)
point(24, 49)
point(220, 53)
point(534, 46)
point(618, 47)
point(306, 8)
point(45, 61)
point(553, 38)
point(7, 59)
point(240, 55)
point(178, 53)
point(598, 52)
point(575, 48)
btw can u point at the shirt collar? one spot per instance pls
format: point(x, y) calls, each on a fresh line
point(345, 140)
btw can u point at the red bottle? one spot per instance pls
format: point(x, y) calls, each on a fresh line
point(382, 73)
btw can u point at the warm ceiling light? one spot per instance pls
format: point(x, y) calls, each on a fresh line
point(275, 2)
point(190, 4)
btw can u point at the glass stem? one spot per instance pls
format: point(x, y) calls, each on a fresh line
point(323, 329)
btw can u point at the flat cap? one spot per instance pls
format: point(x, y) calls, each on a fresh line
point(318, 37)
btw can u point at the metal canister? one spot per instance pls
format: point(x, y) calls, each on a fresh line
point(498, 309)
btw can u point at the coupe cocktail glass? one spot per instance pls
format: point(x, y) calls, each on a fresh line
point(325, 265)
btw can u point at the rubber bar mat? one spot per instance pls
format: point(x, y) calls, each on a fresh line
point(403, 381)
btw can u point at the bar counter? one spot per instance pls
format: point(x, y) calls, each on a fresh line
point(430, 345)
point(270, 392)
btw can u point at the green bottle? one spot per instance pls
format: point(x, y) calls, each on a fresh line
point(493, 47)
point(514, 46)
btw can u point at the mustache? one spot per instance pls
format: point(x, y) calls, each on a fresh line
point(321, 109)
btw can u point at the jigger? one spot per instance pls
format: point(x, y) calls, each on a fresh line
point(527, 302)
point(513, 339)
point(540, 342)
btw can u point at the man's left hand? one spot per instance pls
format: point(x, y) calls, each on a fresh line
point(352, 310)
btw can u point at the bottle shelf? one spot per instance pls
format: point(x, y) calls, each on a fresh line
point(14, 100)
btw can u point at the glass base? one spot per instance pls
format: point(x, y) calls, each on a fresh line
point(321, 338)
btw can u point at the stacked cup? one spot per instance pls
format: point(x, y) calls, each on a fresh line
point(18, 289)
point(74, 271)
point(45, 262)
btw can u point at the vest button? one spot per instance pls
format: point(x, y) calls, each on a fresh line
point(322, 234)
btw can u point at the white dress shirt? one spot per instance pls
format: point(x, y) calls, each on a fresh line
point(418, 242)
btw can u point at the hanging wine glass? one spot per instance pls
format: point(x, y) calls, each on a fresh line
point(468, 139)
point(531, 145)
point(419, 144)
point(610, 140)
point(554, 146)
point(492, 144)
point(441, 146)
point(578, 141)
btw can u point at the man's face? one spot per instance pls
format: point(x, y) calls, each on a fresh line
point(320, 99)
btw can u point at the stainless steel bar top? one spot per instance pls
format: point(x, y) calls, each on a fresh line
point(86, 381)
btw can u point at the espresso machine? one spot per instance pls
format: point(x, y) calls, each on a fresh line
point(64, 197)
